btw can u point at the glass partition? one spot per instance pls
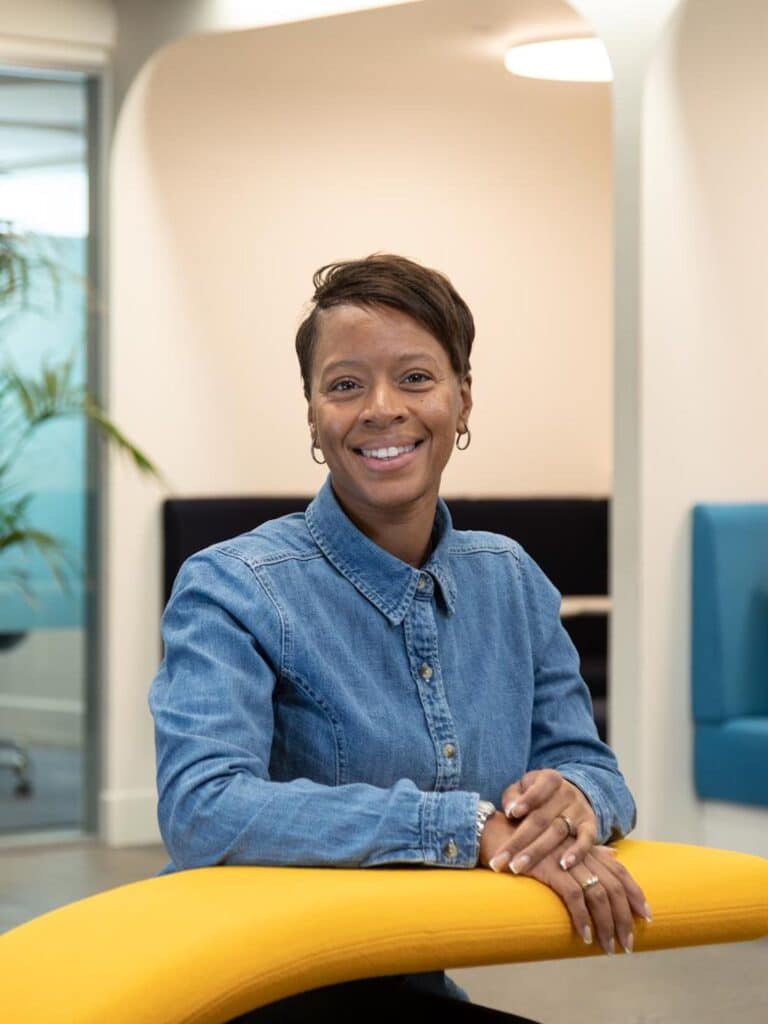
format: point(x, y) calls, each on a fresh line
point(45, 196)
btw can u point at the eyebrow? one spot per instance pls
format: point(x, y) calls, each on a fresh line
point(406, 357)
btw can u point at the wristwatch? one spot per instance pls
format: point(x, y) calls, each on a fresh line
point(484, 810)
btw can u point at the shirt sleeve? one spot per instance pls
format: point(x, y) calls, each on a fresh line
point(212, 707)
point(564, 735)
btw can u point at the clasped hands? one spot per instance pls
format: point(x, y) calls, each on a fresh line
point(548, 830)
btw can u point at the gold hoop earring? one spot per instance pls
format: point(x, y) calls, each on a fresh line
point(463, 448)
point(320, 462)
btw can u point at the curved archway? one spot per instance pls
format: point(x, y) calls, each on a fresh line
point(245, 160)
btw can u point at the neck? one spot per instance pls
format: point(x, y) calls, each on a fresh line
point(405, 533)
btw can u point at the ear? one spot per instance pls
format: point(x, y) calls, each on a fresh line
point(465, 393)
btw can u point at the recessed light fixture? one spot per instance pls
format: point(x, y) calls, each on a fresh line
point(584, 59)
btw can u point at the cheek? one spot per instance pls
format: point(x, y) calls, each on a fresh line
point(440, 416)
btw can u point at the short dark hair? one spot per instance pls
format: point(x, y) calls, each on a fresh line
point(384, 280)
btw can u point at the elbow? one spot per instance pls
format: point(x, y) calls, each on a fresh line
point(191, 837)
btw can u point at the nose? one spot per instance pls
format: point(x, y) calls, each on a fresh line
point(384, 403)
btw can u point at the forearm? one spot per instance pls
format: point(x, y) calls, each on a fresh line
point(242, 819)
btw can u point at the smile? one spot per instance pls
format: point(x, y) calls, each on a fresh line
point(388, 456)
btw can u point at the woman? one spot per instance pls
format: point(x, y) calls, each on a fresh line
point(361, 684)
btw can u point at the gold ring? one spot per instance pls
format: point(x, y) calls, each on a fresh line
point(592, 880)
point(569, 825)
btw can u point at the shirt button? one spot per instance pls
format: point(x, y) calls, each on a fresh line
point(451, 850)
point(421, 583)
point(449, 750)
point(425, 671)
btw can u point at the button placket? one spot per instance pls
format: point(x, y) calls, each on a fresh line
point(421, 641)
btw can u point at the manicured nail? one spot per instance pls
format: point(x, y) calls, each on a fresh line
point(499, 862)
point(647, 913)
point(519, 863)
point(587, 935)
point(567, 862)
point(609, 947)
point(629, 943)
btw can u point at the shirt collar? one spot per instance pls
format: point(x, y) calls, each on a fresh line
point(386, 581)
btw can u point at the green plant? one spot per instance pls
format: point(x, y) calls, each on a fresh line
point(28, 401)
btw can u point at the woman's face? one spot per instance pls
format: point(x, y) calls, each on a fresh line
point(380, 380)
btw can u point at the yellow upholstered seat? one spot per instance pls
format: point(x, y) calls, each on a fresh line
point(203, 946)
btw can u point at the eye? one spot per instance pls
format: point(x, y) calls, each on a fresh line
point(336, 386)
point(418, 373)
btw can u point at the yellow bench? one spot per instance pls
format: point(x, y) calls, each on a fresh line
point(206, 945)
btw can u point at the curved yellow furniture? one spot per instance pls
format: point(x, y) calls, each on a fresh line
point(206, 945)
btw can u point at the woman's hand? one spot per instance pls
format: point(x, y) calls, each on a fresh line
point(604, 908)
point(541, 801)
point(606, 904)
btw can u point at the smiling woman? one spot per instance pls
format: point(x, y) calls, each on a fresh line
point(361, 684)
point(385, 401)
point(385, 359)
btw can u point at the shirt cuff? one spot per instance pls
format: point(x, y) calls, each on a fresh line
point(448, 829)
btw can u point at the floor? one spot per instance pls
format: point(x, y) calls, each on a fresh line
point(706, 984)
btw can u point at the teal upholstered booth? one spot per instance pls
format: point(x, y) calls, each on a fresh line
point(729, 665)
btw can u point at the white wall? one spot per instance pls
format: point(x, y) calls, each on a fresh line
point(243, 161)
point(705, 357)
point(690, 368)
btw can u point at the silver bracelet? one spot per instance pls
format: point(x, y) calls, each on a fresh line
point(484, 810)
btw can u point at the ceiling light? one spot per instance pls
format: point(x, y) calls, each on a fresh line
point(583, 59)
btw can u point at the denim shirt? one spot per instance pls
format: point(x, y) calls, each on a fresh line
point(321, 702)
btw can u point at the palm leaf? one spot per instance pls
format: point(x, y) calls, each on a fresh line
point(28, 401)
point(22, 257)
point(112, 433)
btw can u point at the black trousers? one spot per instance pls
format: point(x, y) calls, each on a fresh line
point(359, 1000)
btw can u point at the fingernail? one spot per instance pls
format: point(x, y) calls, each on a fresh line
point(509, 810)
point(519, 863)
point(567, 862)
point(518, 810)
point(499, 862)
point(647, 913)
point(629, 943)
point(587, 935)
point(609, 947)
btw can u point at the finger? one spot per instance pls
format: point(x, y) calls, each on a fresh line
point(635, 894)
point(535, 838)
point(586, 834)
point(510, 795)
point(535, 789)
point(621, 913)
point(610, 850)
point(599, 905)
point(566, 887)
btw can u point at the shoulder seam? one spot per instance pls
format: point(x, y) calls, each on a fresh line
point(511, 547)
point(254, 570)
point(272, 559)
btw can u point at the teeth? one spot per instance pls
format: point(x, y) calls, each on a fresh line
point(386, 453)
